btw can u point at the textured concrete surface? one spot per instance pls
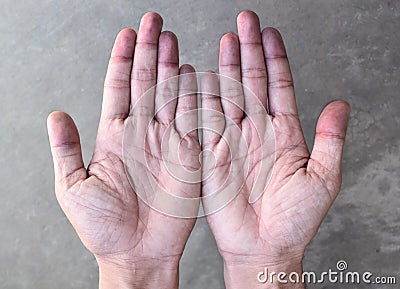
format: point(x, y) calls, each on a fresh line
point(54, 56)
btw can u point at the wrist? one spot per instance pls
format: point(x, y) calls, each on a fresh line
point(143, 275)
point(267, 274)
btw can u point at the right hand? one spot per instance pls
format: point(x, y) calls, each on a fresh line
point(275, 230)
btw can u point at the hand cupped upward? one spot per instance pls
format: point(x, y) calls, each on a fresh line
point(282, 221)
point(263, 193)
point(102, 203)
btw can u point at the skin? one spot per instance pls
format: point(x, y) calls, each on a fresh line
point(274, 231)
point(135, 246)
point(138, 247)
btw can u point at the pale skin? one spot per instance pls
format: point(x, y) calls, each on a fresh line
point(274, 231)
point(138, 247)
point(135, 246)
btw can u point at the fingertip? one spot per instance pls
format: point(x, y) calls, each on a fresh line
point(52, 116)
point(187, 81)
point(168, 53)
point(127, 33)
point(334, 119)
point(186, 68)
point(229, 50)
point(152, 18)
point(273, 42)
point(168, 36)
point(247, 15)
point(150, 28)
point(229, 38)
point(338, 108)
point(57, 118)
point(343, 104)
point(61, 128)
point(271, 32)
point(248, 25)
point(124, 43)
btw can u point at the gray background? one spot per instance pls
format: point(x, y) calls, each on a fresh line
point(54, 56)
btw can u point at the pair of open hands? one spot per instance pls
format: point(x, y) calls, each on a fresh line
point(137, 246)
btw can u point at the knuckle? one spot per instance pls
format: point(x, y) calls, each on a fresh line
point(254, 72)
point(280, 81)
point(117, 82)
point(233, 93)
point(330, 135)
point(118, 59)
point(143, 74)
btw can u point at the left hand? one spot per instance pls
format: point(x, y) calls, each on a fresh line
point(135, 245)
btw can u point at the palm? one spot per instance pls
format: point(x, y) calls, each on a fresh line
point(279, 220)
point(106, 203)
point(302, 187)
point(109, 216)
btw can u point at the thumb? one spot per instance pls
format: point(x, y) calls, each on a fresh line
point(66, 150)
point(326, 156)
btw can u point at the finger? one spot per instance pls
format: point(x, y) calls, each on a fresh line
point(282, 102)
point(167, 80)
point(281, 97)
point(144, 69)
point(66, 150)
point(326, 156)
point(232, 97)
point(213, 121)
point(117, 89)
point(254, 74)
point(186, 111)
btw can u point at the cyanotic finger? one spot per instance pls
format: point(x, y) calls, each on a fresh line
point(281, 97)
point(144, 69)
point(213, 120)
point(254, 74)
point(232, 97)
point(66, 150)
point(117, 88)
point(167, 77)
point(186, 120)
